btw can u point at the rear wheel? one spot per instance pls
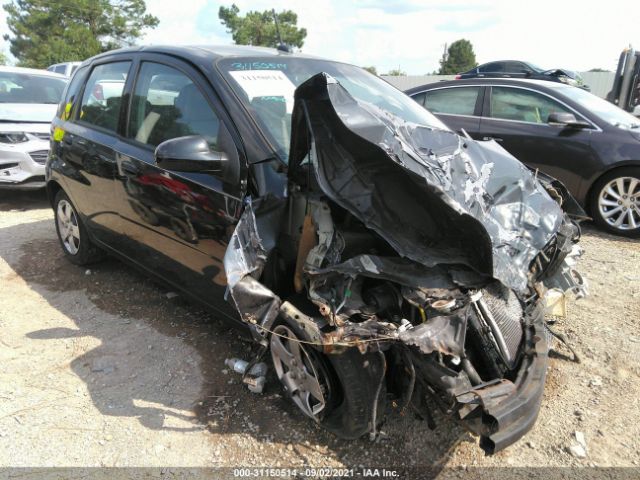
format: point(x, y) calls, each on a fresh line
point(337, 391)
point(72, 234)
point(615, 202)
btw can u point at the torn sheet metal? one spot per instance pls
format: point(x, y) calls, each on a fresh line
point(243, 263)
point(434, 197)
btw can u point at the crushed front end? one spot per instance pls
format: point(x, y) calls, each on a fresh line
point(428, 254)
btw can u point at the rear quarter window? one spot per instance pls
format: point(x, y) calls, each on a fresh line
point(66, 108)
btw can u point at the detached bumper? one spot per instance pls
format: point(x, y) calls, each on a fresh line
point(501, 413)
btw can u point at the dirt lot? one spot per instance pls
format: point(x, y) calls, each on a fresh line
point(101, 367)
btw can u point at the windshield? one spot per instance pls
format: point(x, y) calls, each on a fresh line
point(27, 88)
point(606, 111)
point(267, 87)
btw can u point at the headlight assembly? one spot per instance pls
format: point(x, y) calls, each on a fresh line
point(13, 137)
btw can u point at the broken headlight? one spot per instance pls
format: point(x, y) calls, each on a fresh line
point(13, 137)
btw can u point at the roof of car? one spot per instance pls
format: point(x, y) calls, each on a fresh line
point(213, 51)
point(31, 71)
point(540, 84)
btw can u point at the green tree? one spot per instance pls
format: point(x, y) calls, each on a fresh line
point(396, 72)
point(52, 31)
point(371, 69)
point(259, 28)
point(3, 59)
point(460, 57)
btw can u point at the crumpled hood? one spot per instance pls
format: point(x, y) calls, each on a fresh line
point(436, 198)
point(27, 112)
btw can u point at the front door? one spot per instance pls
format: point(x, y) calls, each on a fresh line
point(176, 224)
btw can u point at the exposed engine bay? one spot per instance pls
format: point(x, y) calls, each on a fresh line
point(403, 261)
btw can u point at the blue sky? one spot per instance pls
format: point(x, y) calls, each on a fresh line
point(411, 34)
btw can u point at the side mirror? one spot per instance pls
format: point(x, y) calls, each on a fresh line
point(567, 120)
point(189, 154)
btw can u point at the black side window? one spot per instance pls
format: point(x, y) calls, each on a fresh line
point(523, 105)
point(419, 97)
point(168, 104)
point(455, 101)
point(493, 67)
point(102, 96)
point(65, 109)
point(516, 67)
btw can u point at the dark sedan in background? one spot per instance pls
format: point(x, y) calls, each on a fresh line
point(520, 69)
point(590, 145)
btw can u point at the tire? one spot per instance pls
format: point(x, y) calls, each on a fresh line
point(349, 382)
point(615, 202)
point(72, 233)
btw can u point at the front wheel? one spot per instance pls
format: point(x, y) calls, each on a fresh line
point(72, 234)
point(615, 202)
point(338, 391)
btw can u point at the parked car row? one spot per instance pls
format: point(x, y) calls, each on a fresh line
point(371, 250)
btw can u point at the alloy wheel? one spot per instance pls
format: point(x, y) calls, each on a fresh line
point(68, 227)
point(619, 203)
point(302, 380)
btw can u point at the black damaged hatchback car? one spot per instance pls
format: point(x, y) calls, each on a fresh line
point(370, 251)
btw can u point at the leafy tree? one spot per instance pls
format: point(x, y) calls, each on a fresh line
point(460, 57)
point(3, 59)
point(371, 69)
point(396, 72)
point(259, 28)
point(53, 31)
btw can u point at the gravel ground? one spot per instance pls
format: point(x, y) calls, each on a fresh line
point(101, 367)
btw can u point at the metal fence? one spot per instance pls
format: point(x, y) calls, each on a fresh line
point(599, 82)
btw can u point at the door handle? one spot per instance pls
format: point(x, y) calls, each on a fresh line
point(130, 167)
point(497, 139)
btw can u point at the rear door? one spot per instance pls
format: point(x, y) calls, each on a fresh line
point(458, 107)
point(517, 118)
point(88, 141)
point(176, 224)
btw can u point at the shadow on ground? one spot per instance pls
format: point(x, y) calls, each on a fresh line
point(120, 371)
point(23, 200)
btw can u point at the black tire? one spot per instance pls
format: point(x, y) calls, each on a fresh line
point(84, 252)
point(351, 381)
point(631, 202)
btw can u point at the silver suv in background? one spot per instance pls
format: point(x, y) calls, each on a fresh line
point(66, 68)
point(28, 102)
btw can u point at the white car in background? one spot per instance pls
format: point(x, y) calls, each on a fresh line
point(28, 102)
